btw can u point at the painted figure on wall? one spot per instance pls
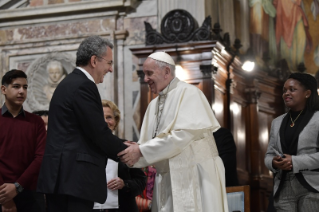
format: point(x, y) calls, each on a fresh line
point(56, 74)
point(261, 16)
point(286, 29)
point(292, 31)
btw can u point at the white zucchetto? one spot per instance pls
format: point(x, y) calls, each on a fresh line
point(163, 57)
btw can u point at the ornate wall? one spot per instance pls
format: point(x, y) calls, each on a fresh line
point(45, 30)
point(34, 32)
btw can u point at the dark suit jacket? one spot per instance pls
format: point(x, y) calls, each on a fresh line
point(227, 152)
point(136, 180)
point(78, 142)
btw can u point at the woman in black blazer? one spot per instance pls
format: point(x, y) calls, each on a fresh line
point(130, 181)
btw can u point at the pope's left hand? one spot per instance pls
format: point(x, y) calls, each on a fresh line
point(7, 192)
point(131, 154)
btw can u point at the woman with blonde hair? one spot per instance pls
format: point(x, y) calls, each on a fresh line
point(130, 182)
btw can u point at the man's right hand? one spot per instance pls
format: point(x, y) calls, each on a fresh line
point(131, 154)
point(7, 192)
point(10, 206)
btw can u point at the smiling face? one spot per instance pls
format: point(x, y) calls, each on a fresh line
point(109, 118)
point(103, 65)
point(295, 95)
point(16, 92)
point(156, 78)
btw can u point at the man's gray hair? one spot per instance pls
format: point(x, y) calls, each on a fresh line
point(93, 45)
point(162, 65)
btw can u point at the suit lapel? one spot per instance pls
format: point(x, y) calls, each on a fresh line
point(304, 121)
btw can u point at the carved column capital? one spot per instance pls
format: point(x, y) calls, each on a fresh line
point(207, 70)
point(252, 94)
point(141, 75)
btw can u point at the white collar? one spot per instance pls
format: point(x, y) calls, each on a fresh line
point(86, 74)
point(167, 88)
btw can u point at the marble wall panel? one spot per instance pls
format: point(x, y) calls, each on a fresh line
point(144, 9)
point(34, 59)
point(136, 29)
point(55, 1)
point(28, 44)
point(36, 3)
point(56, 30)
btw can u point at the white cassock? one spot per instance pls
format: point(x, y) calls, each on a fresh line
point(190, 174)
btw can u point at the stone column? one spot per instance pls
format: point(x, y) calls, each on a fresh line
point(120, 86)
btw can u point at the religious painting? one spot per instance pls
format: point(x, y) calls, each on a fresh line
point(286, 29)
point(44, 75)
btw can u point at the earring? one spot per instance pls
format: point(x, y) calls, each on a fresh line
point(306, 96)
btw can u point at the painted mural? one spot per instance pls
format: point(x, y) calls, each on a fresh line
point(286, 29)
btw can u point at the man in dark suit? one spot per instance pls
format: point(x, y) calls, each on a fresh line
point(79, 141)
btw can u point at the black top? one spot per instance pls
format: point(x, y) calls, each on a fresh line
point(290, 131)
point(227, 152)
point(136, 181)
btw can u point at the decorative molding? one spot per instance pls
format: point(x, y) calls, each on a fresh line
point(178, 26)
point(253, 95)
point(58, 10)
point(77, 17)
point(62, 40)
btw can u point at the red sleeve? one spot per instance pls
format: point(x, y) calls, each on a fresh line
point(1, 180)
point(29, 177)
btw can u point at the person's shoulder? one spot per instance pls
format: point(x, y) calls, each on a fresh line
point(316, 116)
point(222, 130)
point(223, 135)
point(77, 79)
point(32, 116)
point(75, 76)
point(280, 118)
point(182, 84)
point(189, 88)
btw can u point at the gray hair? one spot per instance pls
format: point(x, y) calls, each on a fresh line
point(93, 45)
point(54, 63)
point(162, 65)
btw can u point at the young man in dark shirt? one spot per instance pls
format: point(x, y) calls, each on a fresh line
point(22, 142)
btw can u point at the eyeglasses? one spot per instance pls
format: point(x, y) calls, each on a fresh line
point(108, 62)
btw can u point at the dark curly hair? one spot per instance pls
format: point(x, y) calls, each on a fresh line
point(309, 83)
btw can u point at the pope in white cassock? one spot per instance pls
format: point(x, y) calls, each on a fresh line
point(176, 137)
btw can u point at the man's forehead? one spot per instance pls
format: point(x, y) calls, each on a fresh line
point(19, 81)
point(150, 64)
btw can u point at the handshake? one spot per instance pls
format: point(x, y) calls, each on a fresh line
point(131, 154)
